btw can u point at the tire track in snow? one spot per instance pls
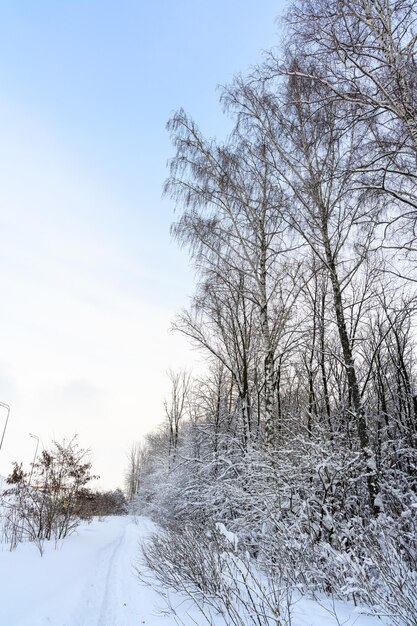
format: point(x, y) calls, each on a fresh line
point(113, 595)
point(112, 605)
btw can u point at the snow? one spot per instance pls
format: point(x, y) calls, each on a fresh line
point(90, 580)
point(232, 538)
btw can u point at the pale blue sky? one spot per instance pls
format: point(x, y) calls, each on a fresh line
point(88, 275)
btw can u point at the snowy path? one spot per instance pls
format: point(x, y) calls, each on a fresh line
point(90, 580)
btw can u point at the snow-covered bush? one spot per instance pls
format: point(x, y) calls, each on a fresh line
point(301, 511)
point(204, 565)
point(382, 565)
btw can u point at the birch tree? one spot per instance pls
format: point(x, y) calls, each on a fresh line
point(231, 219)
point(364, 52)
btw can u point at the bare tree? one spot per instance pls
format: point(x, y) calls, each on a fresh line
point(133, 475)
point(232, 223)
point(364, 52)
point(313, 156)
point(177, 405)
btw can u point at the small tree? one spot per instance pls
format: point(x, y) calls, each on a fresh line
point(47, 506)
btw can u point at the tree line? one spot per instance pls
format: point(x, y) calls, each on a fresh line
point(302, 227)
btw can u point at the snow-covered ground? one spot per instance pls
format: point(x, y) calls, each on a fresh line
point(90, 580)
